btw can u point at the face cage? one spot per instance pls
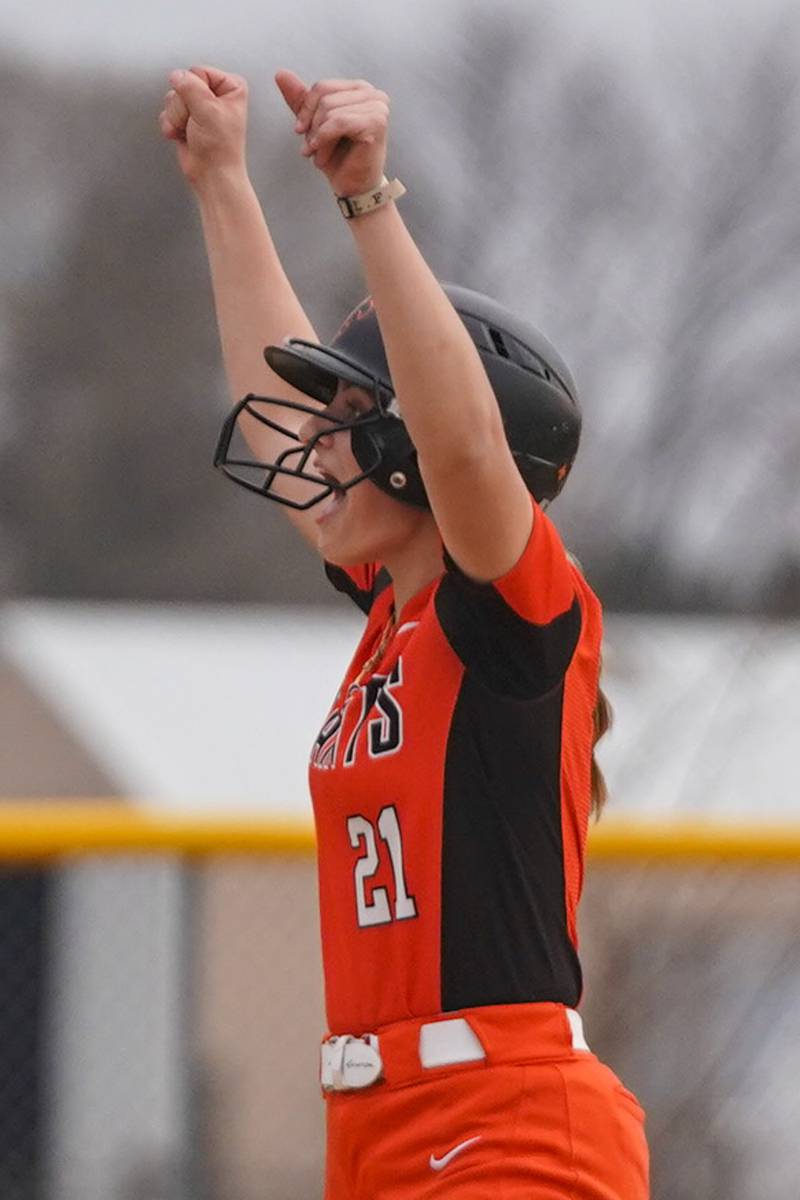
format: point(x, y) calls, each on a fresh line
point(303, 451)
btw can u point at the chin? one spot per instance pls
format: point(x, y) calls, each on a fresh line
point(344, 551)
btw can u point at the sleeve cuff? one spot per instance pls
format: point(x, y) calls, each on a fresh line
point(540, 586)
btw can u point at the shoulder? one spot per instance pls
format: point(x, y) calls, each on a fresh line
point(518, 632)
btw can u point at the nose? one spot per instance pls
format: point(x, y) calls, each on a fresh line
point(313, 426)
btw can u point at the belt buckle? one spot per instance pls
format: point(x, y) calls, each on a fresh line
point(349, 1062)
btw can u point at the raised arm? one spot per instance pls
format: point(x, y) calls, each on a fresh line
point(205, 114)
point(477, 495)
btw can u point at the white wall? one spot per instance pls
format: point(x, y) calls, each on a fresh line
point(217, 708)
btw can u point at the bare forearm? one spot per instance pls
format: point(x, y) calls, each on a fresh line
point(477, 496)
point(255, 303)
point(256, 306)
point(445, 397)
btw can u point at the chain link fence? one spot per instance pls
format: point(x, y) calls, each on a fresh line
point(161, 1019)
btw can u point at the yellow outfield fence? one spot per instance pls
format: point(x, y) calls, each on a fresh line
point(32, 831)
point(161, 1001)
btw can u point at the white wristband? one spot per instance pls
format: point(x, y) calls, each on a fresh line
point(356, 206)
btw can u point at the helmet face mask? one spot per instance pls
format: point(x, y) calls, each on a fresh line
point(264, 477)
point(532, 384)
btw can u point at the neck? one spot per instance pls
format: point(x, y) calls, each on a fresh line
point(414, 565)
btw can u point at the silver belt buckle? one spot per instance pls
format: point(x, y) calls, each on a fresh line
point(348, 1062)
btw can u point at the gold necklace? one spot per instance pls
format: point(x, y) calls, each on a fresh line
point(377, 655)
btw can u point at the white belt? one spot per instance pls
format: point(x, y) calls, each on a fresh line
point(349, 1062)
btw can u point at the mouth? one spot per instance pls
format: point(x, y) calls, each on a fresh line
point(333, 503)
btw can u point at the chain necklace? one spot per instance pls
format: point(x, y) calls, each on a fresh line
point(377, 654)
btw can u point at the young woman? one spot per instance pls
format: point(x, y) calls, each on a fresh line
point(453, 778)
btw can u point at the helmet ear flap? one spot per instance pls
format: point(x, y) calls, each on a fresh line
point(398, 472)
point(544, 480)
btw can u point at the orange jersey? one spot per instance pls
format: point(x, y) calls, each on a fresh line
point(451, 791)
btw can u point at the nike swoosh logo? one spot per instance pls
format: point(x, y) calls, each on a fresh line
point(439, 1164)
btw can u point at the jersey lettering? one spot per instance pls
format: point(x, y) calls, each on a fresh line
point(369, 694)
point(386, 731)
point(323, 753)
point(381, 715)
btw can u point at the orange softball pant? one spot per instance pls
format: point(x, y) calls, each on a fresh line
point(535, 1119)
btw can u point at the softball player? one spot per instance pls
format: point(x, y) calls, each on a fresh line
point(453, 777)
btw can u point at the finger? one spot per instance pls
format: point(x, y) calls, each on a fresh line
point(350, 120)
point(168, 130)
point(329, 102)
point(328, 145)
point(324, 152)
point(291, 88)
point(363, 122)
point(324, 87)
point(338, 134)
point(195, 92)
point(175, 109)
point(221, 83)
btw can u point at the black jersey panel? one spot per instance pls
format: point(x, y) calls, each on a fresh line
point(363, 597)
point(512, 656)
point(504, 929)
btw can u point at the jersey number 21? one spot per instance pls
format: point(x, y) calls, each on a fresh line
point(377, 911)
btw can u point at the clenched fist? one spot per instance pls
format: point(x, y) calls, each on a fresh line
point(344, 125)
point(205, 114)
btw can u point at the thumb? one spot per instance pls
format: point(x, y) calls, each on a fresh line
point(291, 88)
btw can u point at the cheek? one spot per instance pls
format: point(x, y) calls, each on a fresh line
point(371, 526)
point(375, 513)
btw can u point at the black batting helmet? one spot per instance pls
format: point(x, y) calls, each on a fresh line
point(535, 392)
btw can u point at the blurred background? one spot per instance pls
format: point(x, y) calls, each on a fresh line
point(625, 173)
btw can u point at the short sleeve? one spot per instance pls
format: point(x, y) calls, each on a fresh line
point(363, 584)
point(517, 633)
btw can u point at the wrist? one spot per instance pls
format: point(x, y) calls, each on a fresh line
point(385, 192)
point(354, 187)
point(229, 208)
point(373, 226)
point(221, 182)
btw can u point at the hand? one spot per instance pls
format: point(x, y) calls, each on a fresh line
point(205, 114)
point(344, 124)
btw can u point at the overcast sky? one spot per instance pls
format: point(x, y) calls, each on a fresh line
point(152, 33)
